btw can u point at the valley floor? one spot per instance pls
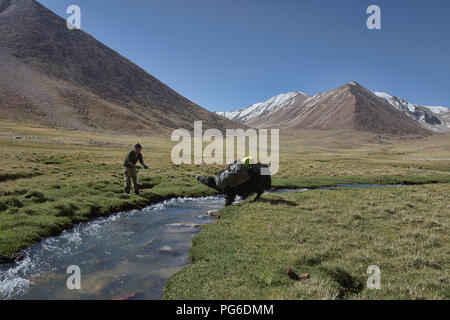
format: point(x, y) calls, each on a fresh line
point(51, 179)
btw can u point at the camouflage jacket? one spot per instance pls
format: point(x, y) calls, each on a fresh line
point(133, 157)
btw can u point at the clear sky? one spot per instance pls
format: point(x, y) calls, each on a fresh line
point(228, 54)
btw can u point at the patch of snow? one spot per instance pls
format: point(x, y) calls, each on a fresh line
point(438, 109)
point(228, 114)
point(394, 101)
point(397, 103)
point(411, 107)
point(384, 95)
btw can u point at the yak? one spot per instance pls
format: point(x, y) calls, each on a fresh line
point(256, 184)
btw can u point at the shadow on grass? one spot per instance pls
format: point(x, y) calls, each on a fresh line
point(348, 284)
point(278, 201)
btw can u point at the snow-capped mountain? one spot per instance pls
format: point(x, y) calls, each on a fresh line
point(403, 104)
point(435, 116)
point(325, 110)
point(263, 109)
point(398, 103)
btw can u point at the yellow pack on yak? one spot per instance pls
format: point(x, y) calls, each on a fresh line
point(247, 162)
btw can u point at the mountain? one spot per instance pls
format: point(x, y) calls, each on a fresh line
point(59, 77)
point(429, 116)
point(350, 107)
point(264, 109)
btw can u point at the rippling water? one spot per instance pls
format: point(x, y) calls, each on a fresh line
point(127, 255)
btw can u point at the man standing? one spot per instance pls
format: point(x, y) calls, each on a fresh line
point(130, 169)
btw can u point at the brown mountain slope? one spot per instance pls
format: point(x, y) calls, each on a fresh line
point(78, 82)
point(350, 107)
point(376, 115)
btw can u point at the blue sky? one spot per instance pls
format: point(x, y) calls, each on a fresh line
point(228, 54)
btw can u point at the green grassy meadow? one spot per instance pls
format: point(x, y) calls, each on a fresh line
point(51, 179)
point(332, 235)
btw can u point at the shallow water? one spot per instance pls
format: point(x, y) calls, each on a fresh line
point(127, 255)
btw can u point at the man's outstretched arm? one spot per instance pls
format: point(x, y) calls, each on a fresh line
point(141, 161)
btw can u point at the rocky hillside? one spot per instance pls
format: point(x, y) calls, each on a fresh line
point(60, 77)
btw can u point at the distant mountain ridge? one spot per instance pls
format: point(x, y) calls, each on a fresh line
point(264, 108)
point(60, 77)
point(427, 115)
point(348, 107)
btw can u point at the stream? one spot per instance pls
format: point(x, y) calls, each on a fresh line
point(128, 255)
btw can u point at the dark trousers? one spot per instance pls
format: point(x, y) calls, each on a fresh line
point(130, 174)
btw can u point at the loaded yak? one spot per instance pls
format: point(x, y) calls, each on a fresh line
point(256, 183)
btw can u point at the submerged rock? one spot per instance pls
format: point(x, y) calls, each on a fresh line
point(167, 249)
point(149, 243)
point(94, 283)
point(130, 296)
point(213, 213)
